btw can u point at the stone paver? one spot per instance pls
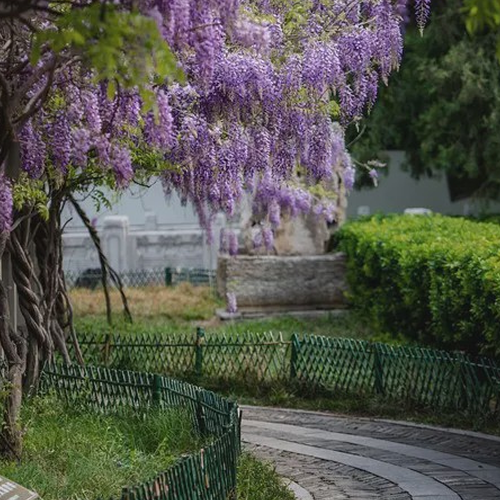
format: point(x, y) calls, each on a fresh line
point(339, 458)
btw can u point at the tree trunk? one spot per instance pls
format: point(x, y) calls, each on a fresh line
point(13, 350)
point(11, 441)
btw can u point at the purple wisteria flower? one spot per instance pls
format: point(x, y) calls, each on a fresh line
point(349, 177)
point(263, 110)
point(231, 304)
point(6, 204)
point(233, 243)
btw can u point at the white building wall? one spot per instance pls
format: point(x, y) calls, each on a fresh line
point(398, 190)
point(143, 230)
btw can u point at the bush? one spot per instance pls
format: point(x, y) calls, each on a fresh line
point(433, 280)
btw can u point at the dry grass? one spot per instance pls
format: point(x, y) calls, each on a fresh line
point(183, 302)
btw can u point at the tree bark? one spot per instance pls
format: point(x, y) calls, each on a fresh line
point(11, 440)
point(14, 351)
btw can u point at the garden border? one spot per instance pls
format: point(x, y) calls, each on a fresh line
point(208, 474)
point(429, 377)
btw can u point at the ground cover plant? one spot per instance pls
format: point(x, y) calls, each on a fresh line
point(259, 481)
point(430, 280)
point(76, 454)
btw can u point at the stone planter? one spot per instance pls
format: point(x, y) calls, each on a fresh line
point(284, 283)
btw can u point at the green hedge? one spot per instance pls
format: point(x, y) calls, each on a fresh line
point(431, 279)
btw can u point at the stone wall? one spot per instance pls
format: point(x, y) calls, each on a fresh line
point(284, 282)
point(146, 246)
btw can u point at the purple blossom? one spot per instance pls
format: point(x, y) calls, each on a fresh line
point(6, 204)
point(255, 110)
point(33, 150)
point(422, 11)
point(91, 108)
point(268, 237)
point(349, 177)
point(122, 165)
point(254, 35)
point(103, 148)
point(231, 304)
point(274, 213)
point(257, 239)
point(60, 141)
point(81, 145)
point(159, 130)
point(233, 243)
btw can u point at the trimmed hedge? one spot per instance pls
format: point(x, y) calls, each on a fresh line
point(430, 279)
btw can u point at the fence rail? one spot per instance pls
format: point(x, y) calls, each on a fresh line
point(210, 473)
point(168, 276)
point(428, 377)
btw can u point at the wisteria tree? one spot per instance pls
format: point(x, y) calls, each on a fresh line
point(220, 98)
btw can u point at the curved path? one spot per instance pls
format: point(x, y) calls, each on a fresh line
point(338, 458)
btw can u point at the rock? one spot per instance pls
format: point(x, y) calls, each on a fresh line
point(284, 282)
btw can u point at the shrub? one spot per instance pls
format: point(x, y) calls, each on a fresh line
point(433, 280)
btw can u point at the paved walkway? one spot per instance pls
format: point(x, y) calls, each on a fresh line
point(338, 458)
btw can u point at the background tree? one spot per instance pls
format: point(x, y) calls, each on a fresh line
point(483, 15)
point(443, 107)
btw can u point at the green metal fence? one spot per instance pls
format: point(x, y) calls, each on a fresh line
point(168, 276)
point(248, 356)
point(429, 377)
point(209, 474)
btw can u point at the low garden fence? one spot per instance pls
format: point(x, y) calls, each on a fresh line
point(209, 474)
point(428, 377)
point(168, 276)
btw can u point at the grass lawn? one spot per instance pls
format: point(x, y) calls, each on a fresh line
point(70, 454)
point(180, 309)
point(200, 304)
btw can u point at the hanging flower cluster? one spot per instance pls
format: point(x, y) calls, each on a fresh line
point(270, 85)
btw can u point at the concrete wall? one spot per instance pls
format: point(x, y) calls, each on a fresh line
point(143, 230)
point(399, 190)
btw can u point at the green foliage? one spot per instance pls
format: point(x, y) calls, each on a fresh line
point(483, 15)
point(259, 481)
point(30, 192)
point(73, 455)
point(443, 108)
point(123, 48)
point(432, 280)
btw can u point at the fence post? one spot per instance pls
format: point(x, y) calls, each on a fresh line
point(293, 356)
point(200, 414)
point(377, 367)
point(200, 335)
point(168, 276)
point(156, 390)
point(106, 349)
